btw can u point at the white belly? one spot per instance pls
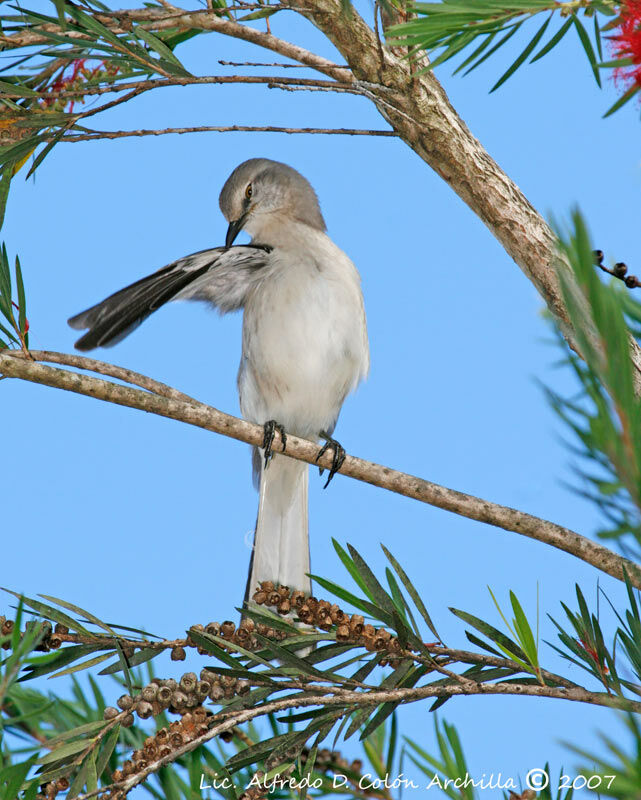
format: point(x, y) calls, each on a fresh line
point(304, 346)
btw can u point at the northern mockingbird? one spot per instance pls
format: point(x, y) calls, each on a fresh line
point(304, 339)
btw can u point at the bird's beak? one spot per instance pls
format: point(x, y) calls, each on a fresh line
point(234, 229)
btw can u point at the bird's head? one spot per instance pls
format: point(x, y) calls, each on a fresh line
point(259, 190)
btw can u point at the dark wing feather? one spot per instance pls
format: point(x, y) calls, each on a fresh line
point(221, 276)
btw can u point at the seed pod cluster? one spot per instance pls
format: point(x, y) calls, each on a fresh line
point(167, 740)
point(177, 697)
point(325, 615)
point(50, 638)
point(243, 635)
point(50, 790)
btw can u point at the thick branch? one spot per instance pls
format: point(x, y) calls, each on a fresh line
point(14, 364)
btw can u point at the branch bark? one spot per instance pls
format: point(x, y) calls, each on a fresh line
point(13, 364)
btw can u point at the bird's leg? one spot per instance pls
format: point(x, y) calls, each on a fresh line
point(337, 461)
point(268, 438)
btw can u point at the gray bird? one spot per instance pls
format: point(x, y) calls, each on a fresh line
point(304, 348)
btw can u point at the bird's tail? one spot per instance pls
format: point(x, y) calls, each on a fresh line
point(281, 541)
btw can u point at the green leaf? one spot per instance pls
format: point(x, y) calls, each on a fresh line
point(524, 55)
point(492, 633)
point(587, 47)
point(554, 40)
point(631, 92)
point(416, 598)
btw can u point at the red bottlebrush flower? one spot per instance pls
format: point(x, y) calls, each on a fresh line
point(627, 44)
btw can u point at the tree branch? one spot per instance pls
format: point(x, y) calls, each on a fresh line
point(93, 134)
point(342, 697)
point(15, 364)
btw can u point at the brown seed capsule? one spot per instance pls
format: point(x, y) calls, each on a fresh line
point(200, 714)
point(227, 629)
point(127, 768)
point(283, 591)
point(7, 627)
point(163, 695)
point(342, 633)
point(62, 629)
point(213, 628)
point(247, 625)
point(297, 599)
point(125, 702)
point(260, 598)
point(164, 751)
point(304, 613)
point(110, 713)
point(176, 739)
point(149, 692)
point(267, 586)
point(284, 607)
point(357, 765)
point(242, 687)
point(356, 624)
point(226, 736)
point(273, 599)
point(179, 699)
point(54, 642)
point(368, 630)
point(620, 269)
point(127, 721)
point(144, 709)
point(202, 689)
point(162, 735)
point(216, 693)
point(178, 653)
point(117, 775)
point(188, 682)
point(62, 784)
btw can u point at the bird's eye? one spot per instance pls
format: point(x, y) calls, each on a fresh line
point(249, 191)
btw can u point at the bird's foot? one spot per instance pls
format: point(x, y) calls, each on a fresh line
point(338, 459)
point(270, 428)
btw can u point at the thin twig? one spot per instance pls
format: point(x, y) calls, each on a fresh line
point(88, 137)
point(14, 364)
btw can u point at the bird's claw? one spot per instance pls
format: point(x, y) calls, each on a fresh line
point(337, 460)
point(270, 428)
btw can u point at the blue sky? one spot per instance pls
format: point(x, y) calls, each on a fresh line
point(113, 509)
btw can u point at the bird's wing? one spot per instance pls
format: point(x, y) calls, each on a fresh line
point(222, 276)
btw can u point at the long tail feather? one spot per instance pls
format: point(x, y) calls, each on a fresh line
point(281, 541)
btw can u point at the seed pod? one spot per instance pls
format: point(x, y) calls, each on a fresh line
point(213, 628)
point(176, 739)
point(202, 689)
point(144, 709)
point(284, 607)
point(227, 629)
point(164, 695)
point(149, 692)
point(110, 713)
point(178, 653)
point(242, 686)
point(356, 624)
point(267, 586)
point(162, 735)
point(179, 699)
point(260, 598)
point(117, 775)
point(125, 702)
point(247, 625)
point(342, 633)
point(54, 642)
point(172, 684)
point(297, 599)
point(216, 693)
point(61, 629)
point(188, 682)
point(127, 768)
point(164, 751)
point(127, 721)
point(62, 784)
point(283, 591)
